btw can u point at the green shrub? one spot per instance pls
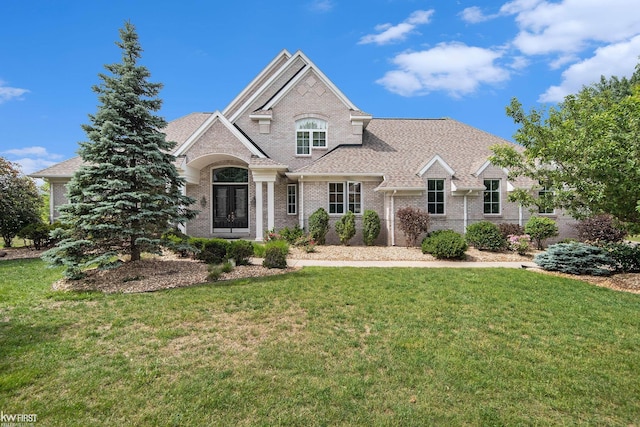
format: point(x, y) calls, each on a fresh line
point(412, 222)
point(601, 228)
point(258, 249)
point(240, 251)
point(211, 251)
point(346, 227)
point(370, 227)
point(540, 228)
point(38, 233)
point(445, 244)
point(276, 254)
point(216, 270)
point(575, 258)
point(178, 242)
point(508, 229)
point(319, 225)
point(292, 234)
point(485, 235)
point(626, 257)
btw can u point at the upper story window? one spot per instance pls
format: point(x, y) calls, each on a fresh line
point(310, 133)
point(435, 196)
point(491, 196)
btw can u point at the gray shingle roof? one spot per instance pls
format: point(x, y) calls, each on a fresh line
point(178, 130)
point(399, 148)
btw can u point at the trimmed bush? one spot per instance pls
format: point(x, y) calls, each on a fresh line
point(319, 225)
point(485, 236)
point(258, 249)
point(575, 258)
point(179, 243)
point(445, 244)
point(346, 227)
point(601, 228)
point(626, 257)
point(540, 228)
point(370, 227)
point(276, 254)
point(240, 251)
point(412, 222)
point(519, 243)
point(211, 251)
point(508, 229)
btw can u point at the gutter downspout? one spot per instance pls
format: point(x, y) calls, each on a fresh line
point(51, 204)
point(393, 219)
point(520, 215)
point(301, 215)
point(465, 213)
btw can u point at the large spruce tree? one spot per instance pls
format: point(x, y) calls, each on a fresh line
point(128, 192)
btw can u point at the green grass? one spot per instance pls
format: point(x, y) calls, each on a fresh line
point(344, 346)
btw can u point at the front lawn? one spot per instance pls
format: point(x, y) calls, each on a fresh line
point(322, 346)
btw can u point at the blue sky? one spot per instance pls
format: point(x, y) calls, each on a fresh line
point(461, 59)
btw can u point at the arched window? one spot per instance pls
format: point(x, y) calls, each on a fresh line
point(310, 133)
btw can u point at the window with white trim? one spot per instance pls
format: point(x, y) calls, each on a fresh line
point(345, 196)
point(491, 196)
point(292, 199)
point(435, 196)
point(310, 133)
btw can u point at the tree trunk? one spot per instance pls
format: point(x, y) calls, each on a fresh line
point(135, 250)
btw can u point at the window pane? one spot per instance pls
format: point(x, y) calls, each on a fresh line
point(292, 199)
point(302, 145)
point(336, 197)
point(492, 196)
point(319, 139)
point(230, 175)
point(355, 197)
point(435, 196)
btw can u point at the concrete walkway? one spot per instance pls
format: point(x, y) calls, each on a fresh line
point(412, 264)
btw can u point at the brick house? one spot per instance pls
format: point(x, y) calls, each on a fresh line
point(291, 142)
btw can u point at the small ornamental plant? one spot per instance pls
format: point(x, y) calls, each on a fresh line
point(519, 243)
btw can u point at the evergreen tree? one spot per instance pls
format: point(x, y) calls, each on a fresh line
point(128, 192)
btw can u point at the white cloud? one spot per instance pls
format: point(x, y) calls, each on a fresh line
point(8, 93)
point(31, 159)
point(29, 165)
point(569, 26)
point(393, 33)
point(614, 60)
point(454, 68)
point(474, 15)
point(321, 5)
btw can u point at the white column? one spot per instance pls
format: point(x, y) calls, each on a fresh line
point(259, 213)
point(271, 224)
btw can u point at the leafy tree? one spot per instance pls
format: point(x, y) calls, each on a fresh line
point(128, 193)
point(587, 150)
point(540, 228)
point(20, 201)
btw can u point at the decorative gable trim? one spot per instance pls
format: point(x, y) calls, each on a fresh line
point(433, 161)
point(293, 82)
point(207, 124)
point(233, 105)
point(485, 165)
